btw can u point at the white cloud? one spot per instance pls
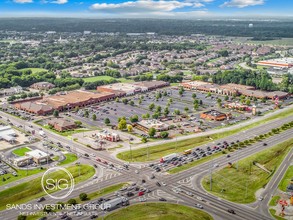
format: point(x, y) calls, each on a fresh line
point(60, 2)
point(242, 3)
point(141, 6)
point(23, 1)
point(198, 5)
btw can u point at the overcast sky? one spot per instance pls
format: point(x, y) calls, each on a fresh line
point(145, 8)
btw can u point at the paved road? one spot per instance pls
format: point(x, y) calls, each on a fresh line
point(212, 204)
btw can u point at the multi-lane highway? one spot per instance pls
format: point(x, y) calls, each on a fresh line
point(215, 206)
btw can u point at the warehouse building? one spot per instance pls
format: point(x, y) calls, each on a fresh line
point(281, 63)
point(7, 134)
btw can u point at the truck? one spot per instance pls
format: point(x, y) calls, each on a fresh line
point(168, 157)
point(114, 203)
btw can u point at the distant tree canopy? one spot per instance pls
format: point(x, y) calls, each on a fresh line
point(260, 80)
point(261, 28)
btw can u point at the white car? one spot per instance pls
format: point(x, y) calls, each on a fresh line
point(199, 206)
point(216, 165)
point(189, 193)
point(93, 155)
point(164, 184)
point(136, 171)
point(260, 198)
point(199, 198)
point(142, 199)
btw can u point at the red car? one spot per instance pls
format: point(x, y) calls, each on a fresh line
point(105, 162)
point(99, 160)
point(140, 193)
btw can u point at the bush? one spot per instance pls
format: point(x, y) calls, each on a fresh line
point(72, 202)
point(83, 196)
point(21, 217)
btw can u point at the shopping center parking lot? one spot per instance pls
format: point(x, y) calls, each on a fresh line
point(114, 110)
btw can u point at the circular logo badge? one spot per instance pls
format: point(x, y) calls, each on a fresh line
point(59, 181)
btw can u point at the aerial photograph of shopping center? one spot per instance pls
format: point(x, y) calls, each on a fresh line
point(146, 110)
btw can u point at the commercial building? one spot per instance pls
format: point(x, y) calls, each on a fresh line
point(42, 86)
point(61, 124)
point(109, 136)
point(11, 91)
point(214, 115)
point(78, 98)
point(282, 63)
point(34, 156)
point(125, 89)
point(64, 101)
point(7, 134)
point(36, 107)
point(233, 89)
point(145, 125)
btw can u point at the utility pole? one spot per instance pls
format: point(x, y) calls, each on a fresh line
point(130, 151)
point(211, 179)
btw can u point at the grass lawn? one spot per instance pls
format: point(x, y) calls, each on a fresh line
point(283, 41)
point(273, 213)
point(158, 211)
point(286, 179)
point(274, 200)
point(20, 174)
point(28, 191)
point(70, 157)
point(66, 133)
point(96, 78)
point(156, 152)
point(35, 70)
point(194, 163)
point(21, 151)
point(230, 184)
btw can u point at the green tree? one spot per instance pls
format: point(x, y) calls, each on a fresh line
point(83, 196)
point(186, 109)
point(166, 111)
point(131, 103)
point(152, 132)
point(151, 106)
point(176, 112)
point(193, 95)
point(129, 128)
point(209, 94)
point(78, 123)
point(56, 113)
point(158, 109)
point(107, 121)
point(164, 134)
point(86, 113)
point(72, 202)
point(247, 102)
point(94, 117)
point(226, 98)
point(125, 101)
point(195, 106)
point(122, 125)
point(22, 217)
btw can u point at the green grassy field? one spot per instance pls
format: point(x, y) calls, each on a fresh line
point(96, 78)
point(279, 42)
point(27, 191)
point(156, 152)
point(35, 70)
point(158, 211)
point(8, 178)
point(21, 151)
point(230, 183)
point(286, 179)
point(66, 133)
point(70, 158)
point(273, 213)
point(274, 200)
